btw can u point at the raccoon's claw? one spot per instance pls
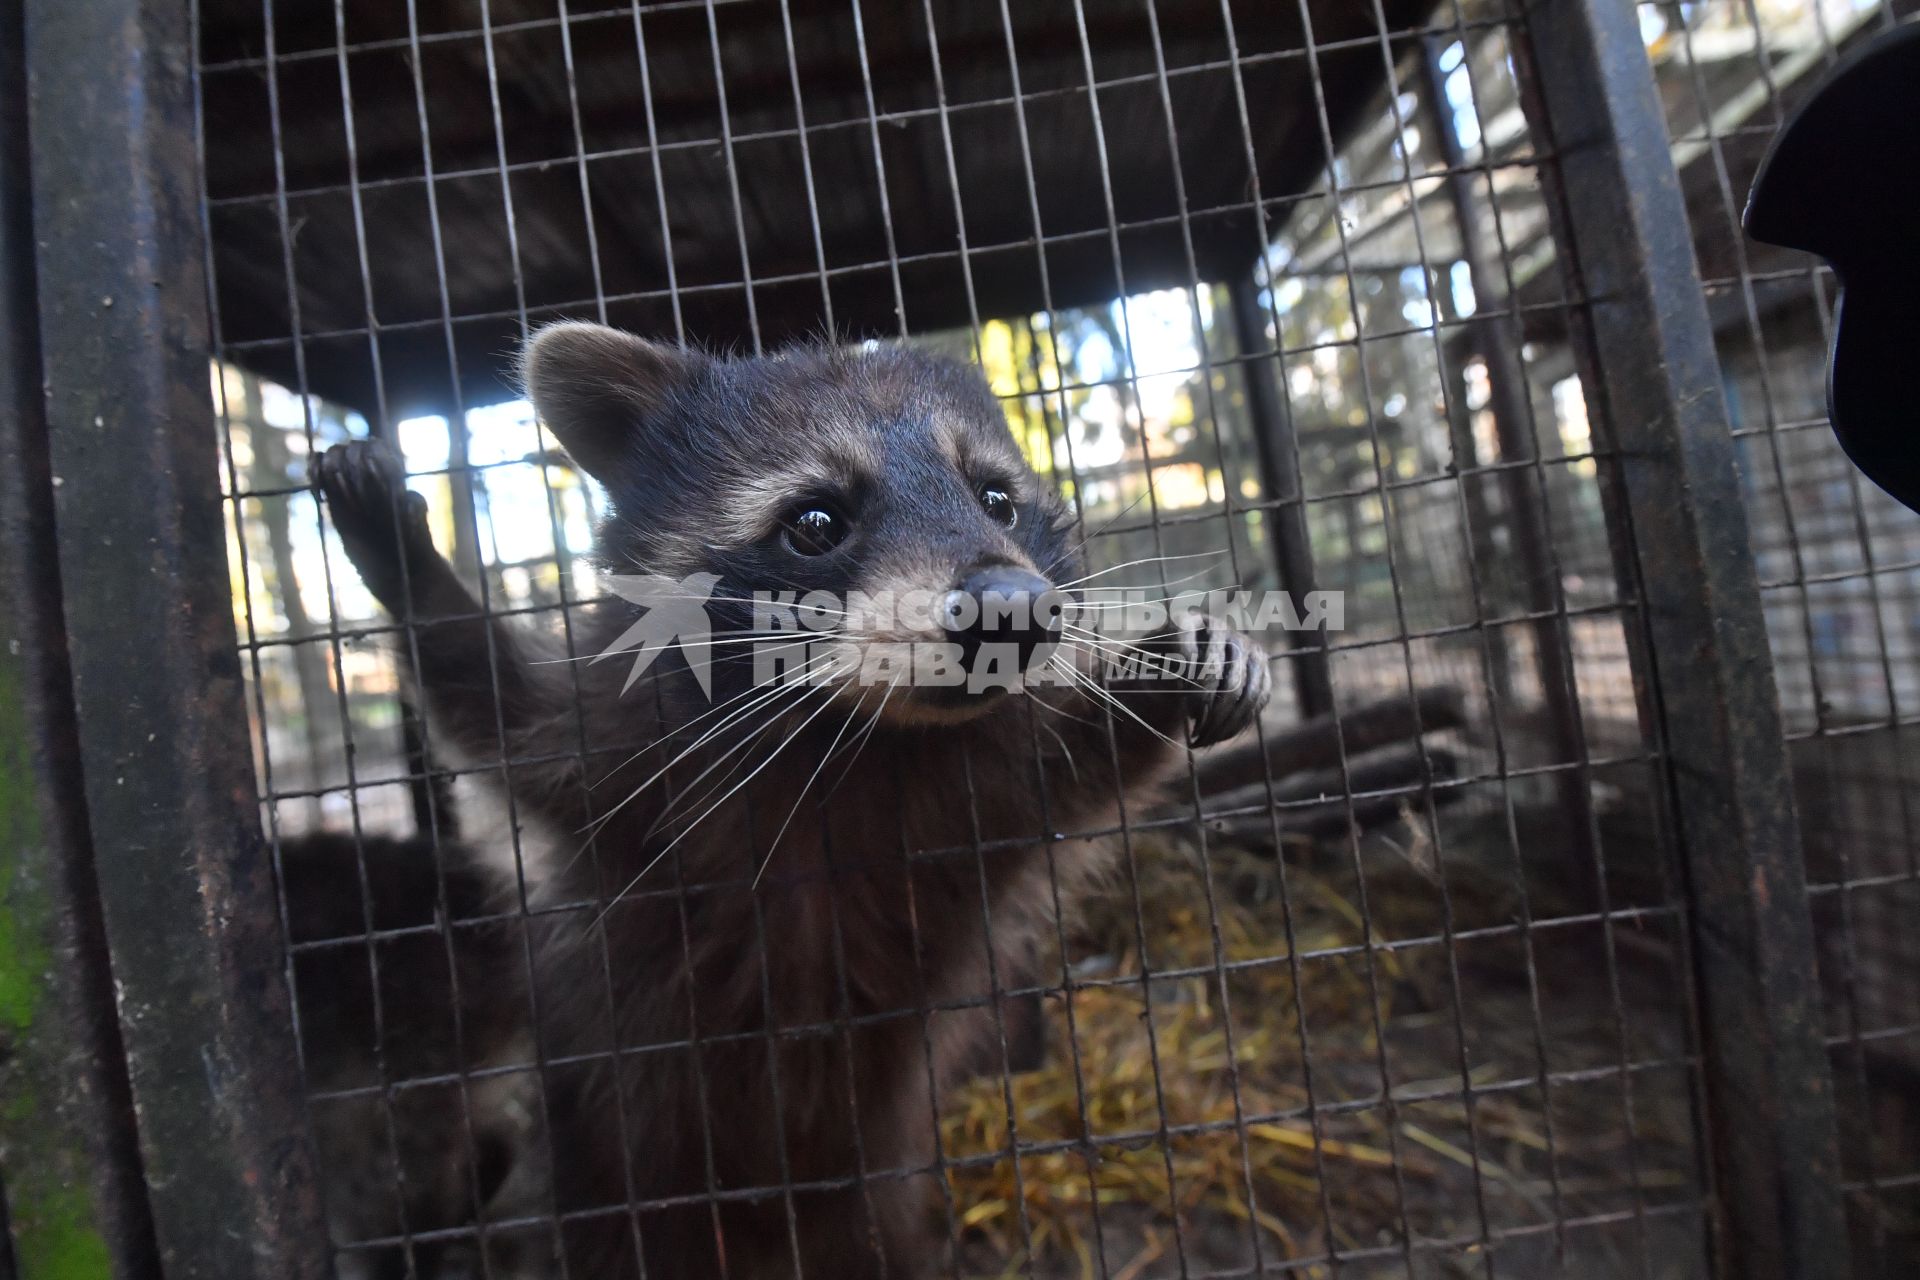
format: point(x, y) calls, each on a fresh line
point(1232, 678)
point(382, 523)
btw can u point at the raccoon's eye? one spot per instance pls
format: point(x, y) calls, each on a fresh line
point(996, 502)
point(814, 530)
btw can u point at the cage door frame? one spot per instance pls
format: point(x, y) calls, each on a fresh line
point(187, 889)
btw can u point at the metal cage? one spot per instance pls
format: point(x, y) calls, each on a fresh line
point(1555, 922)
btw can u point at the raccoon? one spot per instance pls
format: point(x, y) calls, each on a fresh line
point(772, 920)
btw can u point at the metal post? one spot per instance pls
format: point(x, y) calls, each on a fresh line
point(1280, 480)
point(1623, 226)
point(186, 886)
point(1456, 350)
point(70, 1187)
point(1498, 341)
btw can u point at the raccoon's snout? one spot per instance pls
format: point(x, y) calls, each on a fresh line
point(1002, 605)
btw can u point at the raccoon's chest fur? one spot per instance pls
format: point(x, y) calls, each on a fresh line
point(756, 1015)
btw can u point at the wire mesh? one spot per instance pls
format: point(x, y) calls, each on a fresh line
point(1837, 560)
point(1270, 287)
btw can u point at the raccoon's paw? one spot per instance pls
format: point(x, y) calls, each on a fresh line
point(1230, 678)
point(382, 523)
point(362, 480)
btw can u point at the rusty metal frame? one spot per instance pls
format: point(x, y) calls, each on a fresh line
point(1623, 229)
point(159, 796)
point(70, 1171)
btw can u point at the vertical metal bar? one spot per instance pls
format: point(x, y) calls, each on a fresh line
point(70, 1179)
point(1496, 334)
point(186, 887)
point(1286, 513)
point(1455, 352)
point(1587, 78)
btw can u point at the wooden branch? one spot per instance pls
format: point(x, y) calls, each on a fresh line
point(1316, 744)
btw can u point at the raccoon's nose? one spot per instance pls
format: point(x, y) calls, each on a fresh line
point(1002, 604)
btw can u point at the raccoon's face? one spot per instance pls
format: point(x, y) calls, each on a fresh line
point(880, 487)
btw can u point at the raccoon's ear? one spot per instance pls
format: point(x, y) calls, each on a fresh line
point(596, 388)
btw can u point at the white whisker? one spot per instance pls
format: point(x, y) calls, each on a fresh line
point(774, 846)
point(752, 691)
point(758, 698)
point(713, 641)
point(1065, 751)
point(1145, 493)
point(692, 826)
point(1052, 710)
point(747, 739)
point(1101, 573)
point(1107, 696)
point(1108, 645)
point(860, 744)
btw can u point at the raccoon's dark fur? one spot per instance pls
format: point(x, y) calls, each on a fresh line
point(414, 1160)
point(783, 1018)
